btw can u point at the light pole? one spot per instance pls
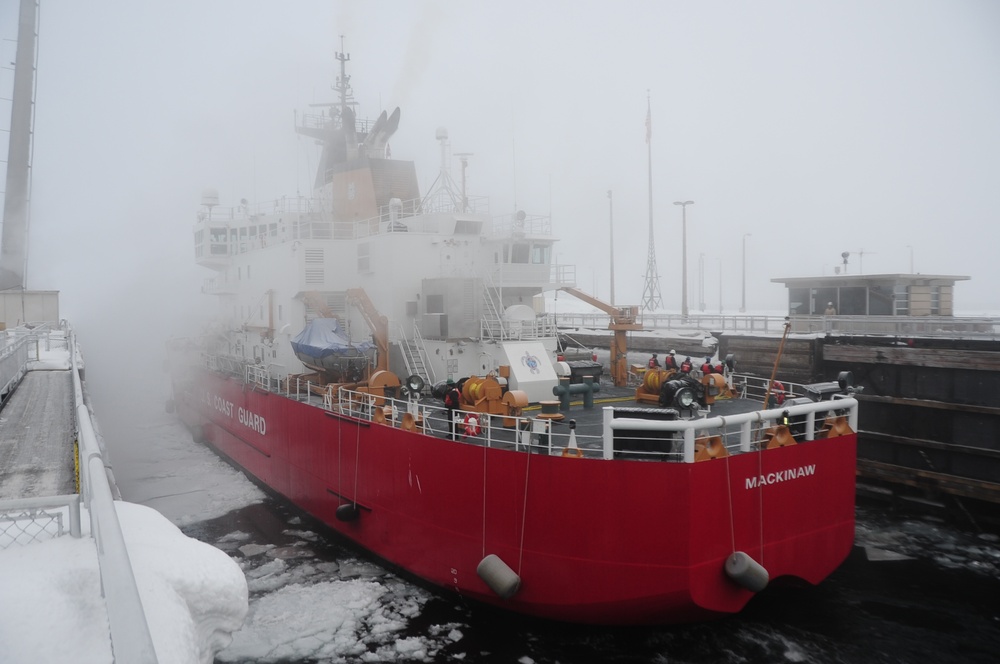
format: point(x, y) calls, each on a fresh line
point(684, 256)
point(910, 247)
point(743, 305)
point(701, 282)
point(611, 225)
point(720, 286)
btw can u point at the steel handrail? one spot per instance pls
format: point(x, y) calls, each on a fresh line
point(131, 640)
point(904, 326)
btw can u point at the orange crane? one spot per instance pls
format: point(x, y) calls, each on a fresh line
point(377, 323)
point(623, 319)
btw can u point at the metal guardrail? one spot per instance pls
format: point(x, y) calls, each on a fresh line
point(524, 433)
point(27, 520)
point(895, 326)
point(13, 362)
point(130, 637)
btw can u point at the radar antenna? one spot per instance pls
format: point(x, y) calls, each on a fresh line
point(444, 186)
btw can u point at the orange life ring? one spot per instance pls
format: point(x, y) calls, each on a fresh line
point(779, 392)
point(471, 425)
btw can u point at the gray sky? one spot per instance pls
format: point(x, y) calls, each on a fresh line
point(818, 127)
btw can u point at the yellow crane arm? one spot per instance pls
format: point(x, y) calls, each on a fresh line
point(623, 319)
point(377, 323)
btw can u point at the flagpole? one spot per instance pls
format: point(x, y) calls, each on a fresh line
point(611, 225)
point(649, 159)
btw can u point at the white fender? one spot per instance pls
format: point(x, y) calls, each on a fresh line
point(746, 571)
point(498, 576)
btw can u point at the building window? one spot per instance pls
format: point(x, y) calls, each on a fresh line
point(798, 301)
point(435, 304)
point(901, 297)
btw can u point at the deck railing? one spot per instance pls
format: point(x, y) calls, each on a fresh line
point(665, 440)
point(130, 637)
point(893, 326)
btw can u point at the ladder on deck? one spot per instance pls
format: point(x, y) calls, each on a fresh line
point(413, 354)
point(492, 325)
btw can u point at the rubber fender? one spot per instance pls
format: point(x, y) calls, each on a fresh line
point(348, 512)
point(746, 571)
point(498, 576)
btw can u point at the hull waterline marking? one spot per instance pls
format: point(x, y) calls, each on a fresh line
point(781, 476)
point(247, 418)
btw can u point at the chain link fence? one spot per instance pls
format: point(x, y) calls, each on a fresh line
point(29, 520)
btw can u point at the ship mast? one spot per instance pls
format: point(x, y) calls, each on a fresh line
point(343, 85)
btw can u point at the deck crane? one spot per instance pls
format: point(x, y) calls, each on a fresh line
point(623, 319)
point(377, 323)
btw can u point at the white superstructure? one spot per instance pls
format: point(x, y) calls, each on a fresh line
point(454, 282)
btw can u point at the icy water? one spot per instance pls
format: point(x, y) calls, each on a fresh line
point(915, 589)
point(927, 592)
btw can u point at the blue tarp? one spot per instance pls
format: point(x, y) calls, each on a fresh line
point(323, 337)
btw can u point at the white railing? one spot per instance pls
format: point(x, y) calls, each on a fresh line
point(13, 363)
point(130, 637)
point(665, 440)
point(747, 423)
point(901, 326)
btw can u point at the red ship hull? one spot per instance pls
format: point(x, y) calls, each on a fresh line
point(592, 540)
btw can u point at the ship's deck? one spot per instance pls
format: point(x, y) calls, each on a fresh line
point(546, 429)
point(36, 437)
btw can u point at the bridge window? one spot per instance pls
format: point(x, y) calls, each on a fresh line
point(467, 227)
point(520, 252)
point(540, 254)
